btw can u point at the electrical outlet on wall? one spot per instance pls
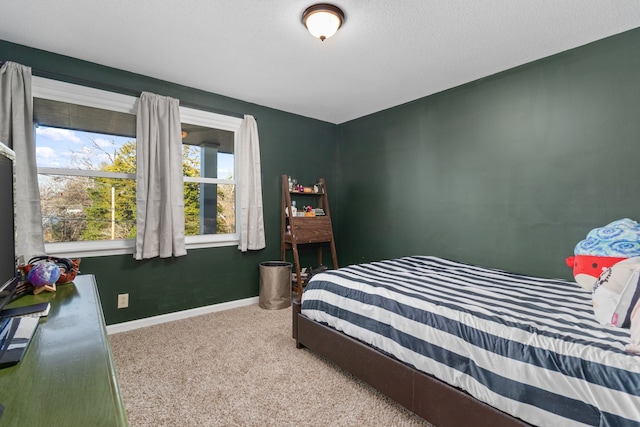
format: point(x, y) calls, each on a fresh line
point(123, 300)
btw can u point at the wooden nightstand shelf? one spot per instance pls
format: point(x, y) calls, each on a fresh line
point(304, 230)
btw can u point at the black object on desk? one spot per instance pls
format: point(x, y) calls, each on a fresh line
point(15, 336)
point(41, 309)
point(16, 332)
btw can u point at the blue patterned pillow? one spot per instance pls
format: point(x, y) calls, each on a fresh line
point(620, 239)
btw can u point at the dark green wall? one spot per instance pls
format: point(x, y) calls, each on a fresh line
point(510, 171)
point(204, 276)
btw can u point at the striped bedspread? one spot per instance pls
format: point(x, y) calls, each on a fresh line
point(528, 346)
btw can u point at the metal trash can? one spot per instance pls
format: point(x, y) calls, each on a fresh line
point(275, 285)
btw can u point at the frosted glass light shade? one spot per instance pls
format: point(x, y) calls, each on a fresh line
point(323, 20)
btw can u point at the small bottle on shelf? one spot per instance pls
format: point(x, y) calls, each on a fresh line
point(294, 210)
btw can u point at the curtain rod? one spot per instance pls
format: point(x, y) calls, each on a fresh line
point(122, 90)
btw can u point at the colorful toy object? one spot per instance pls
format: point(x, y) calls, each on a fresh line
point(603, 248)
point(587, 268)
point(46, 273)
point(69, 267)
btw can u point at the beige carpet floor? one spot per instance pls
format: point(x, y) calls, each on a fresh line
point(240, 367)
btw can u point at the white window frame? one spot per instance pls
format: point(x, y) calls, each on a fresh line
point(82, 95)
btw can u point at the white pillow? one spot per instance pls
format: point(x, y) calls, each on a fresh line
point(634, 345)
point(616, 293)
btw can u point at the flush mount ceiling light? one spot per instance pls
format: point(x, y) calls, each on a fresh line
point(323, 20)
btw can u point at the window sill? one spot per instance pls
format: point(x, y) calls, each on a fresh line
point(126, 246)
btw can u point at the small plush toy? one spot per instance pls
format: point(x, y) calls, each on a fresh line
point(603, 248)
point(587, 268)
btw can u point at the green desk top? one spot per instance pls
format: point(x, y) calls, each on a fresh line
point(66, 376)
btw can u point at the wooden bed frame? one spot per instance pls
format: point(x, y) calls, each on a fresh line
point(426, 396)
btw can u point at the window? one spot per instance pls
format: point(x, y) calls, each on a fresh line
point(209, 149)
point(85, 152)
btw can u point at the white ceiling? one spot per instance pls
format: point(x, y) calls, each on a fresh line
point(387, 53)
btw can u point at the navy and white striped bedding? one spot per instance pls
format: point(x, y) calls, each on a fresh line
point(528, 346)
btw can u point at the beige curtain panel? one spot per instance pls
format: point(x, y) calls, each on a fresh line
point(159, 182)
point(251, 220)
point(17, 132)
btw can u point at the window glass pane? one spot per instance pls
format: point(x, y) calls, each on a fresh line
point(210, 151)
point(209, 208)
point(225, 166)
point(75, 149)
point(226, 208)
point(78, 208)
point(66, 115)
point(85, 208)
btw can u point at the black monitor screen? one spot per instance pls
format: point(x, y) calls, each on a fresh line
point(7, 230)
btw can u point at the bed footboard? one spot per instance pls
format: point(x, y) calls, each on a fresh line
point(428, 397)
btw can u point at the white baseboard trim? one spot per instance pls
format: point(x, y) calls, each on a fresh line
point(170, 317)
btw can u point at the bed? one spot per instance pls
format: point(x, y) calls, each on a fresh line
point(460, 344)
